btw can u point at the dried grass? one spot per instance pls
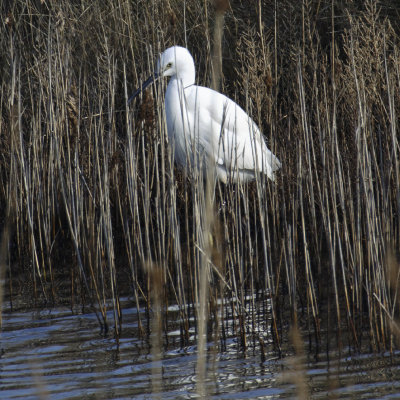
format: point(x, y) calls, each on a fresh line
point(95, 196)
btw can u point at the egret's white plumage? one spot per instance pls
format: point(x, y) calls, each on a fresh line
point(205, 126)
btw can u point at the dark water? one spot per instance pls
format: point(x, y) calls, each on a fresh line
point(54, 354)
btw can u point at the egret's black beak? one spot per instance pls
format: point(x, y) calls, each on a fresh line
point(149, 81)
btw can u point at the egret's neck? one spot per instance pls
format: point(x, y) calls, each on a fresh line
point(186, 76)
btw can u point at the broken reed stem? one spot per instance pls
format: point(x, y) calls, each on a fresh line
point(298, 375)
point(157, 286)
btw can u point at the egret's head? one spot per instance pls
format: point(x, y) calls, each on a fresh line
point(176, 61)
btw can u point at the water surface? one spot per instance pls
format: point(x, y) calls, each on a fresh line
point(55, 354)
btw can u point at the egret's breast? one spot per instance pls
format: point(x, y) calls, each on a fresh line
point(179, 122)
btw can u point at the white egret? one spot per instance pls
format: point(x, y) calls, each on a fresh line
point(205, 127)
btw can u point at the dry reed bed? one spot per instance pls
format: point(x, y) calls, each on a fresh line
point(92, 206)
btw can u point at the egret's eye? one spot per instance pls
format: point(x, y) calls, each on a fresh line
point(169, 65)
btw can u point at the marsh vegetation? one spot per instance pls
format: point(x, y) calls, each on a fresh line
point(92, 206)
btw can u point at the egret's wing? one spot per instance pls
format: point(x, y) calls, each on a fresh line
point(228, 135)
